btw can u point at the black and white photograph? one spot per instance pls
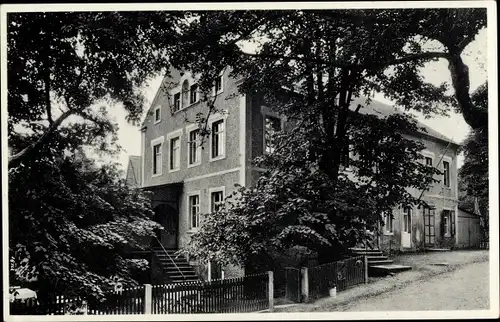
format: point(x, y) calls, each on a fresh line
point(249, 161)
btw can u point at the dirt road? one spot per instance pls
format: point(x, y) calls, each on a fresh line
point(467, 288)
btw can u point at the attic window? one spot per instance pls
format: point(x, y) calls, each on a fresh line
point(157, 114)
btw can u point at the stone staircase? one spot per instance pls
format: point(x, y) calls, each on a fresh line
point(175, 266)
point(378, 263)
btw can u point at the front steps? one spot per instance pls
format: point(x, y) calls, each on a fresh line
point(378, 263)
point(175, 266)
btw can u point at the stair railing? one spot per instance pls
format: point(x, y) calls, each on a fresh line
point(169, 257)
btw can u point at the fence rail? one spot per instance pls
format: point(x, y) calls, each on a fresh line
point(128, 301)
point(341, 274)
point(237, 295)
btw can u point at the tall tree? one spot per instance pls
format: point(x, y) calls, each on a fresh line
point(63, 65)
point(326, 58)
point(71, 222)
point(474, 174)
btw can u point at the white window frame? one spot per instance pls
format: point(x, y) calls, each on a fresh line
point(188, 209)
point(211, 121)
point(447, 230)
point(449, 161)
point(170, 136)
point(190, 129)
point(386, 221)
point(197, 94)
point(428, 154)
point(158, 141)
point(158, 108)
point(403, 221)
point(266, 114)
point(214, 88)
point(180, 101)
point(216, 189)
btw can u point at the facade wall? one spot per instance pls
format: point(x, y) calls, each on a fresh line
point(169, 123)
point(200, 179)
point(439, 197)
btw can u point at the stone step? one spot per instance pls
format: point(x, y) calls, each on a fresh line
point(379, 262)
point(185, 280)
point(358, 249)
point(379, 270)
point(379, 257)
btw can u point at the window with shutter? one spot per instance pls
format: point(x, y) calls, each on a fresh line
point(452, 219)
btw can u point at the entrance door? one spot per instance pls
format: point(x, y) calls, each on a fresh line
point(429, 226)
point(406, 231)
point(167, 216)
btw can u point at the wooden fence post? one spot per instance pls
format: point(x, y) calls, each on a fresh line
point(148, 298)
point(304, 284)
point(366, 269)
point(271, 291)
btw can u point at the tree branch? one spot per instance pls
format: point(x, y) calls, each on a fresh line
point(35, 145)
point(373, 66)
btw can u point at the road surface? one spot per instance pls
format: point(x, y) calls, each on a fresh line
point(466, 288)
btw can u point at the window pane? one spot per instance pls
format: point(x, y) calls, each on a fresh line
point(177, 102)
point(193, 157)
point(217, 138)
point(193, 94)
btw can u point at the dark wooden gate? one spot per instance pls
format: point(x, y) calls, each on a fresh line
point(293, 286)
point(429, 226)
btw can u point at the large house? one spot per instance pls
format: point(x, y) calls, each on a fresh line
point(188, 180)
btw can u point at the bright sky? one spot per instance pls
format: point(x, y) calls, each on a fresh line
point(454, 126)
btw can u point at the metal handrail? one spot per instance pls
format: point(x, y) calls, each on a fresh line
point(169, 257)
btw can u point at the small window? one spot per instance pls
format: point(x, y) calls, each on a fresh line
point(428, 161)
point(157, 159)
point(272, 126)
point(194, 211)
point(175, 155)
point(217, 139)
point(218, 85)
point(216, 200)
point(193, 94)
point(446, 174)
point(177, 102)
point(194, 152)
point(157, 114)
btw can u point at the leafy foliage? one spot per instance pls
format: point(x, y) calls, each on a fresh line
point(63, 65)
point(474, 174)
point(308, 66)
point(70, 224)
point(294, 203)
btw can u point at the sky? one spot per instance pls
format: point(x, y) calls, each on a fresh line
point(453, 127)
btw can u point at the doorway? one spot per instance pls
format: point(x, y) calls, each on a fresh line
point(406, 231)
point(167, 216)
point(429, 227)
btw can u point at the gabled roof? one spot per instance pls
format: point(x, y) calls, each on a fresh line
point(134, 170)
point(384, 110)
